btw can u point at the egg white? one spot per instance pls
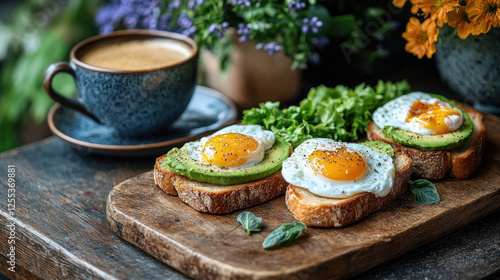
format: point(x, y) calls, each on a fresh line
point(377, 179)
point(395, 112)
point(265, 138)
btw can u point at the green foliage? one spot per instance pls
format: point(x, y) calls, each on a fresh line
point(339, 113)
point(270, 20)
point(342, 25)
point(38, 37)
point(274, 21)
point(366, 31)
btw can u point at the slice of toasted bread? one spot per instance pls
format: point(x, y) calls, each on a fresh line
point(218, 199)
point(434, 165)
point(317, 211)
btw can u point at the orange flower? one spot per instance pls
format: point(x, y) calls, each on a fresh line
point(399, 3)
point(440, 10)
point(421, 38)
point(459, 20)
point(484, 13)
point(437, 8)
point(424, 5)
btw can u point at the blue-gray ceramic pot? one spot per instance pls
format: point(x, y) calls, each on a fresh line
point(135, 103)
point(471, 67)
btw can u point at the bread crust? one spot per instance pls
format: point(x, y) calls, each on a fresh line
point(316, 211)
point(426, 164)
point(466, 160)
point(164, 178)
point(434, 165)
point(218, 199)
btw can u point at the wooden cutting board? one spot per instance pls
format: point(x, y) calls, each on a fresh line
point(206, 246)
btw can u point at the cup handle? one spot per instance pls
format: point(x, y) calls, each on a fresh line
point(49, 74)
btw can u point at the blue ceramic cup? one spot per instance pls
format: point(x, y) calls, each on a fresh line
point(124, 80)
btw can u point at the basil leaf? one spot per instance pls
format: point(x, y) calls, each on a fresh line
point(284, 235)
point(249, 222)
point(425, 192)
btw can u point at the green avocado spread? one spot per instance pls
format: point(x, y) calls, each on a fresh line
point(379, 147)
point(433, 142)
point(178, 160)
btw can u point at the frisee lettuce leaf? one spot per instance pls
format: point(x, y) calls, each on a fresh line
point(339, 113)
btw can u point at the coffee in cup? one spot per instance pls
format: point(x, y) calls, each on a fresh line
point(136, 81)
point(135, 55)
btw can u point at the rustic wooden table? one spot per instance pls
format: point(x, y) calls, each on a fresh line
point(61, 231)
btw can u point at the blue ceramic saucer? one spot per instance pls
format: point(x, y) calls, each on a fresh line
point(207, 111)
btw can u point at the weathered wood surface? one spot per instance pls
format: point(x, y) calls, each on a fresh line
point(61, 227)
point(19, 274)
point(62, 231)
point(214, 246)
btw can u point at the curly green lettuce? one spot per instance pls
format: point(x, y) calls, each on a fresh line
point(339, 113)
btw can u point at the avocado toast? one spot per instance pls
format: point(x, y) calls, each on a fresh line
point(215, 189)
point(457, 153)
point(317, 211)
point(329, 190)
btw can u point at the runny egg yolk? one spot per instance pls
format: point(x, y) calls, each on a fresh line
point(342, 164)
point(229, 150)
point(432, 116)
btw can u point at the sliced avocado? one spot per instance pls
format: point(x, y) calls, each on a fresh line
point(433, 142)
point(178, 160)
point(380, 147)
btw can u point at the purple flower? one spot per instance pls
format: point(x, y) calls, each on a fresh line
point(150, 20)
point(270, 47)
point(311, 24)
point(174, 5)
point(296, 5)
point(244, 31)
point(184, 21)
point(105, 29)
point(130, 13)
point(320, 42)
point(395, 25)
point(131, 21)
point(246, 3)
point(164, 21)
point(189, 31)
point(217, 29)
point(192, 3)
point(111, 14)
point(314, 58)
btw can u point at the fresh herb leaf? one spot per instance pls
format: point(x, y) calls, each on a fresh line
point(284, 235)
point(339, 113)
point(249, 222)
point(425, 192)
